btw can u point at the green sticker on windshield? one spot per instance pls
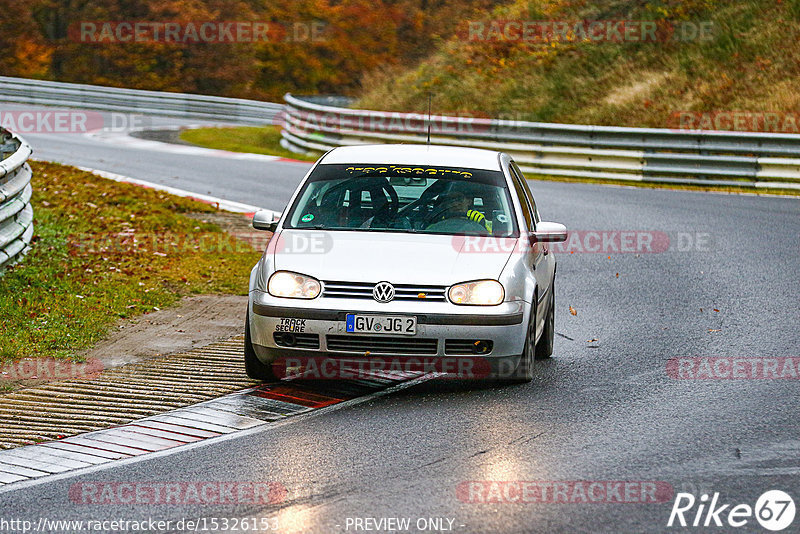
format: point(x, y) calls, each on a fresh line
point(307, 217)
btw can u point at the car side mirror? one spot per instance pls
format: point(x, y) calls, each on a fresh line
point(263, 220)
point(549, 232)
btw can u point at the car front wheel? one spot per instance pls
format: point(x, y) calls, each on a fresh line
point(524, 371)
point(252, 365)
point(544, 349)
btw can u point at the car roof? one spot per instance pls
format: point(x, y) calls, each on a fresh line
point(446, 156)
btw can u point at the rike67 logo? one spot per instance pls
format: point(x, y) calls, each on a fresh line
point(774, 510)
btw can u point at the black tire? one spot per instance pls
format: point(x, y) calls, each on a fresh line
point(544, 349)
point(524, 371)
point(252, 365)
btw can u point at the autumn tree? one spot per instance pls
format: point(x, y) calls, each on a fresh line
point(22, 52)
point(314, 46)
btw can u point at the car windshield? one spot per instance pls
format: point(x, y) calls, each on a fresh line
point(413, 199)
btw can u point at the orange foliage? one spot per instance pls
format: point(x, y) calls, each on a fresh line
point(314, 46)
point(23, 53)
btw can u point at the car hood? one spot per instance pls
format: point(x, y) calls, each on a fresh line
point(394, 257)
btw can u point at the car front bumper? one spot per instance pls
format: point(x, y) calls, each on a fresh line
point(438, 324)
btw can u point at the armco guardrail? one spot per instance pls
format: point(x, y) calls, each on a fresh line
point(73, 95)
point(635, 154)
point(16, 213)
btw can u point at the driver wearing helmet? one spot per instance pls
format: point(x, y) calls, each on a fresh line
point(458, 203)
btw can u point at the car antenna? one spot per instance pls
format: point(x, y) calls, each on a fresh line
point(429, 118)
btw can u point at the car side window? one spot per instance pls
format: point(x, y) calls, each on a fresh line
point(523, 198)
point(527, 191)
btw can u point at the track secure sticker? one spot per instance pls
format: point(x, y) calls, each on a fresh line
point(308, 217)
point(291, 325)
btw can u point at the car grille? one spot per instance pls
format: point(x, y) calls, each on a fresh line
point(383, 345)
point(467, 346)
point(363, 290)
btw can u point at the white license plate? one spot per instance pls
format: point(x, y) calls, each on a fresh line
point(381, 324)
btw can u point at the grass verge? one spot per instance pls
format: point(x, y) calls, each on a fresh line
point(103, 251)
point(252, 139)
point(745, 60)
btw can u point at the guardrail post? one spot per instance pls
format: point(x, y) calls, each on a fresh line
point(16, 212)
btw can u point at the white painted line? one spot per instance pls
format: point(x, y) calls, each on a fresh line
point(126, 140)
point(186, 420)
point(221, 203)
point(113, 437)
point(183, 438)
point(39, 455)
point(63, 445)
point(216, 417)
point(8, 478)
point(103, 446)
point(175, 429)
point(77, 456)
point(39, 466)
point(23, 471)
point(122, 435)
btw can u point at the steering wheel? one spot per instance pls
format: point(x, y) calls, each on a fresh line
point(388, 210)
point(456, 225)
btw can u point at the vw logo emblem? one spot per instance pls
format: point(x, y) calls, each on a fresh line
point(383, 292)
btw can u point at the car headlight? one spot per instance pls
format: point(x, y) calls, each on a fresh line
point(478, 293)
point(293, 285)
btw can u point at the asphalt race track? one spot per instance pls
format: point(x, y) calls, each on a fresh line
point(721, 281)
point(201, 172)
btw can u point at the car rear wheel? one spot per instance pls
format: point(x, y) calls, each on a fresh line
point(544, 349)
point(252, 365)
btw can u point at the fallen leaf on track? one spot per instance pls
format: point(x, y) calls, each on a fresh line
point(573, 311)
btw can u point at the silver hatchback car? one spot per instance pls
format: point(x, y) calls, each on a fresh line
point(404, 257)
